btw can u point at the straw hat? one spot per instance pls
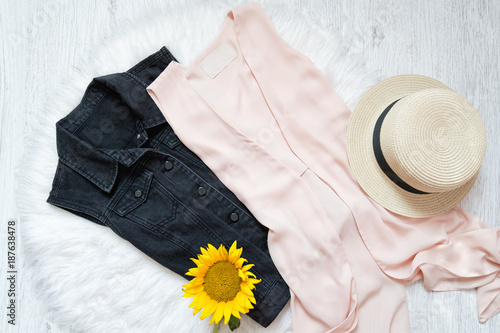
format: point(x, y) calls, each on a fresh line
point(415, 146)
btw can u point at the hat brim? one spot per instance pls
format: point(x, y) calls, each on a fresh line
point(362, 158)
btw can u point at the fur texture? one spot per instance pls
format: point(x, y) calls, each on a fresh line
point(93, 280)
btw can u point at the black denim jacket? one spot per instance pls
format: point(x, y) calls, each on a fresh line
point(122, 166)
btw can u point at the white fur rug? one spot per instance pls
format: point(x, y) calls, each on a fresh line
point(92, 280)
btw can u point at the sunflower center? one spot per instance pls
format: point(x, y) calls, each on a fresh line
point(222, 282)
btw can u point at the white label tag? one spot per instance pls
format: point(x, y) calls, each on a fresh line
point(218, 59)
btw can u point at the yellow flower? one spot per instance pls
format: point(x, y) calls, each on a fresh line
point(222, 285)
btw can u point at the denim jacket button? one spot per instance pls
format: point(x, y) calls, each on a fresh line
point(168, 165)
point(234, 217)
point(201, 191)
point(138, 193)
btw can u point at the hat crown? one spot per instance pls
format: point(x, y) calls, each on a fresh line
point(434, 140)
point(401, 147)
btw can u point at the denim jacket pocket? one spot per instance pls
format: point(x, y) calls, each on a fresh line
point(146, 202)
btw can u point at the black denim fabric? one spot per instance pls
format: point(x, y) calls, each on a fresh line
point(122, 166)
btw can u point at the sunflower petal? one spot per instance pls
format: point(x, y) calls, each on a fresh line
point(193, 271)
point(212, 319)
point(203, 251)
point(232, 248)
point(207, 260)
point(202, 271)
point(213, 252)
point(240, 299)
point(190, 293)
point(193, 303)
point(224, 255)
point(234, 253)
point(227, 311)
point(235, 313)
point(193, 288)
point(208, 309)
point(247, 267)
point(219, 312)
point(204, 298)
point(196, 281)
point(246, 290)
point(239, 262)
point(254, 281)
point(200, 300)
point(237, 256)
point(248, 305)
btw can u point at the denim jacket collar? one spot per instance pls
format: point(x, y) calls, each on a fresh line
point(100, 165)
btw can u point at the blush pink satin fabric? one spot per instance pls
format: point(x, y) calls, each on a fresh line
point(272, 128)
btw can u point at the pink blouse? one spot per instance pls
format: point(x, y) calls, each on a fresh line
point(272, 128)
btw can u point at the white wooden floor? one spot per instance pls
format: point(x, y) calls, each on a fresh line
point(454, 41)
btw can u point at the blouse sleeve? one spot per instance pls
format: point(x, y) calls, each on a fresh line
point(450, 251)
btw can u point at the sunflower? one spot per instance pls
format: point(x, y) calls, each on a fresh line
point(222, 285)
